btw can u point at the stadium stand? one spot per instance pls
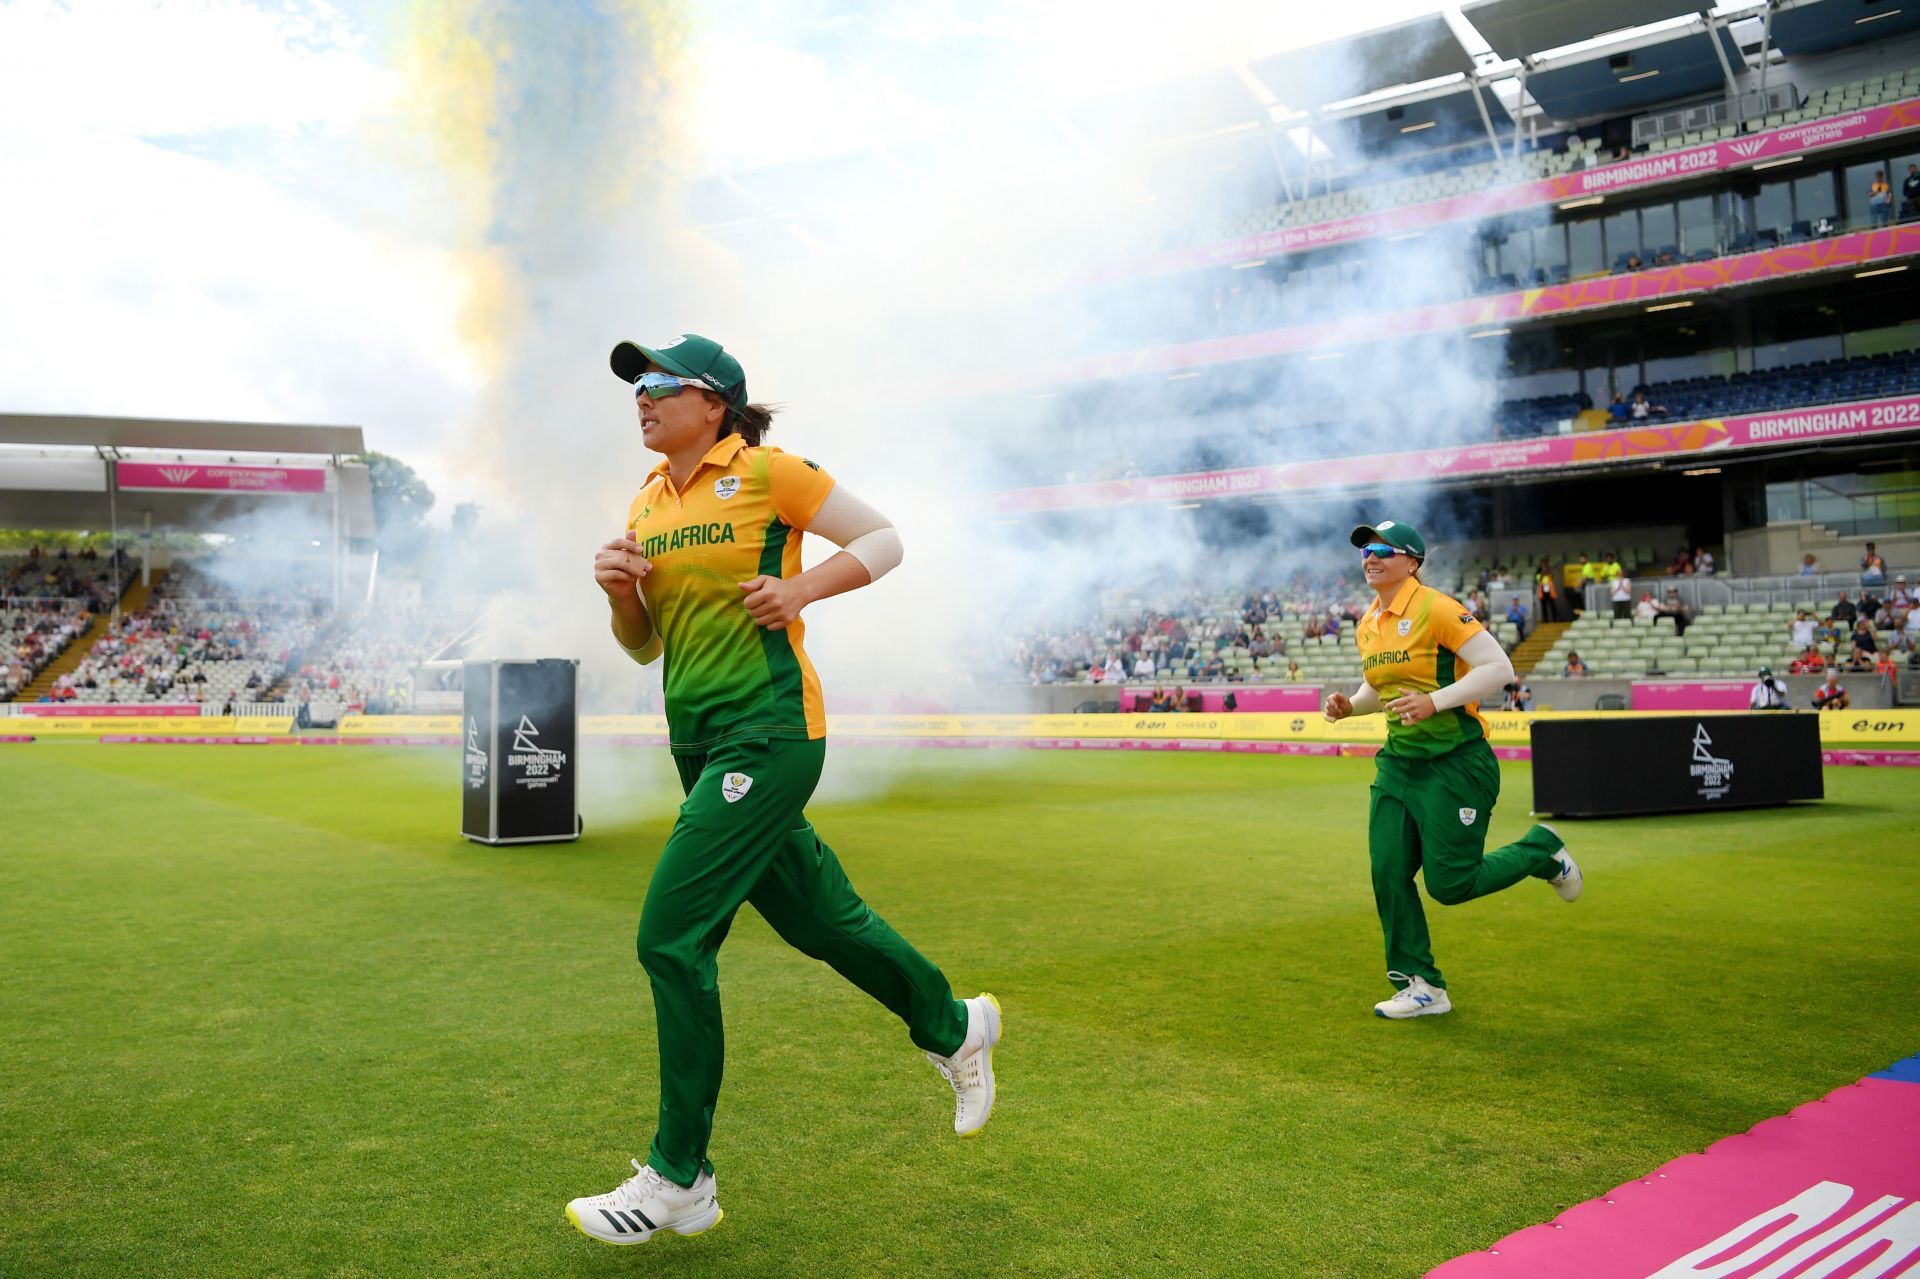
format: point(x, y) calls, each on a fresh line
point(201, 639)
point(1836, 381)
point(1368, 191)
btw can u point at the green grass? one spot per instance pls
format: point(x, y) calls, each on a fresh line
point(266, 1015)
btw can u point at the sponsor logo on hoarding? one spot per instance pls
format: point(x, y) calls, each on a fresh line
point(1822, 1210)
point(1748, 148)
point(179, 474)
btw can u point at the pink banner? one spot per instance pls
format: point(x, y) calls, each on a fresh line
point(1839, 252)
point(117, 710)
point(1627, 175)
point(1699, 695)
point(1871, 759)
point(169, 477)
point(1680, 440)
point(1830, 1190)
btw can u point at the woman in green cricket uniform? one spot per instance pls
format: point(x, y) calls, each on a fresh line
point(1429, 664)
point(707, 576)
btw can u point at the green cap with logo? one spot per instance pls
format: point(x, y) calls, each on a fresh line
point(1401, 537)
point(688, 355)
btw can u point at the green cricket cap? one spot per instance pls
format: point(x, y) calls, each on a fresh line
point(688, 355)
point(1401, 537)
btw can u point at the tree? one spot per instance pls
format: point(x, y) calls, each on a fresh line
point(401, 500)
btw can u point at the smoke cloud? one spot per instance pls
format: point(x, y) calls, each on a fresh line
point(910, 271)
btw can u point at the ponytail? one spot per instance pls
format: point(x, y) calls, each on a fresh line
point(752, 421)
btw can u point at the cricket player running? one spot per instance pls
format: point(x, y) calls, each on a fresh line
point(707, 574)
point(1429, 664)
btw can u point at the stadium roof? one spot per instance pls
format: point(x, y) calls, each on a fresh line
point(1813, 26)
point(1633, 69)
point(168, 433)
point(1521, 28)
point(1407, 53)
point(54, 475)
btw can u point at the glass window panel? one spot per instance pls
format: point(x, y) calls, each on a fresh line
point(1623, 235)
point(1906, 186)
point(1699, 224)
point(1657, 228)
point(1773, 207)
point(1550, 247)
point(1813, 199)
point(1858, 178)
point(1584, 249)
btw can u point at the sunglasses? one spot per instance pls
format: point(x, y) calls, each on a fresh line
point(661, 386)
point(1379, 551)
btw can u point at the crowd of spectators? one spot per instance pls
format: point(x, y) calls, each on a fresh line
point(47, 600)
point(1877, 633)
point(1187, 635)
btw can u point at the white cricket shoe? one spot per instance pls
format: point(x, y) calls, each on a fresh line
point(1416, 999)
point(1568, 882)
point(645, 1204)
point(970, 1070)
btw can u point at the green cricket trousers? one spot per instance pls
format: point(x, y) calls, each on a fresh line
point(1434, 812)
point(742, 837)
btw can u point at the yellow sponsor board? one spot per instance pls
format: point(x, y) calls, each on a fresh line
point(1856, 729)
point(145, 725)
point(1869, 728)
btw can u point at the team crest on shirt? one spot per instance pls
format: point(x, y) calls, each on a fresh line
point(1406, 626)
point(1466, 617)
point(734, 786)
point(726, 486)
point(1467, 815)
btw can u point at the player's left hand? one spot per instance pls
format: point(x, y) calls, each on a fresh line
point(1411, 707)
point(774, 601)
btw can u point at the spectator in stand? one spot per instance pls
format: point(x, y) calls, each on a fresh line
point(1862, 661)
point(1801, 630)
point(1910, 193)
point(1633, 262)
point(1575, 668)
point(1518, 697)
point(1873, 569)
point(1832, 695)
point(1679, 610)
point(1808, 663)
point(1646, 610)
point(1641, 410)
point(1517, 614)
point(1809, 567)
point(1865, 638)
point(1900, 596)
point(1179, 699)
point(1770, 694)
point(1619, 410)
point(1844, 611)
point(1702, 561)
point(1549, 592)
point(1879, 200)
point(1883, 664)
point(1294, 675)
point(1621, 593)
point(1160, 702)
point(1682, 565)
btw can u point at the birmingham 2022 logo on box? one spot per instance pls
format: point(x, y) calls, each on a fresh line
point(1713, 772)
point(538, 767)
point(476, 757)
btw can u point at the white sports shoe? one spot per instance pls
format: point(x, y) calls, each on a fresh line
point(970, 1070)
point(645, 1204)
point(1568, 882)
point(1416, 999)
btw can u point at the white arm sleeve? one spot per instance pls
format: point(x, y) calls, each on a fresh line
point(1492, 671)
point(860, 531)
point(1365, 699)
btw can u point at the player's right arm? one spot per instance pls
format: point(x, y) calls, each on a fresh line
point(1364, 700)
point(618, 567)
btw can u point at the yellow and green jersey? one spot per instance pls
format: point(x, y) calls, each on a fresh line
point(740, 515)
point(1411, 644)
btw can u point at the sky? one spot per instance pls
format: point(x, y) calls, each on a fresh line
point(229, 210)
